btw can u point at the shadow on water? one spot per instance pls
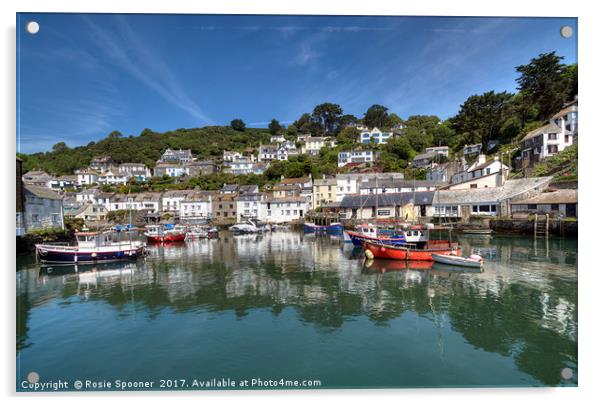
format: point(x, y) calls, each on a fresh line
point(522, 308)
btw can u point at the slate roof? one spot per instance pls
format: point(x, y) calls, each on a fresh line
point(230, 187)
point(546, 129)
point(509, 190)
point(387, 199)
point(42, 192)
point(398, 183)
point(564, 196)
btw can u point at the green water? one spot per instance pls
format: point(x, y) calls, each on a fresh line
point(294, 307)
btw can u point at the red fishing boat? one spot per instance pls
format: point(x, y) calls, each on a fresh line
point(409, 252)
point(165, 234)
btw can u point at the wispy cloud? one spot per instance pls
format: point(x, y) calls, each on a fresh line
point(136, 57)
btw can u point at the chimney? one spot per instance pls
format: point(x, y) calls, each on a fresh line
point(496, 158)
point(482, 159)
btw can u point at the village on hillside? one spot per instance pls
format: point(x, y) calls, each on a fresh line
point(471, 184)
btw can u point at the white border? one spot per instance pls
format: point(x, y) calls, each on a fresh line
point(590, 141)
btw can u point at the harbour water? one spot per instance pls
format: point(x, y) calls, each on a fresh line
point(295, 307)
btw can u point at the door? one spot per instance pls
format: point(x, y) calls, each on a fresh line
point(571, 210)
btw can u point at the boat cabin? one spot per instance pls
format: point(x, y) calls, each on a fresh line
point(93, 239)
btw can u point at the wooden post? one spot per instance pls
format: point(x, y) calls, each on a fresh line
point(547, 223)
point(535, 227)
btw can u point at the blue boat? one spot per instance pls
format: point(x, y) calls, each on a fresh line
point(333, 229)
point(92, 247)
point(371, 233)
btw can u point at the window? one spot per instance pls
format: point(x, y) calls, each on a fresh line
point(552, 148)
point(473, 186)
point(555, 207)
point(566, 139)
point(532, 206)
point(552, 137)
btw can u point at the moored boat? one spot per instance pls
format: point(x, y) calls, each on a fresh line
point(370, 232)
point(165, 233)
point(333, 228)
point(92, 247)
point(472, 261)
point(411, 252)
point(477, 231)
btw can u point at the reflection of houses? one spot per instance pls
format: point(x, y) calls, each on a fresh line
point(43, 208)
point(406, 206)
point(491, 201)
point(559, 203)
point(481, 174)
point(20, 204)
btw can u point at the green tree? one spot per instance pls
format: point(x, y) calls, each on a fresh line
point(60, 147)
point(376, 116)
point(327, 116)
point(442, 135)
point(275, 127)
point(544, 82)
point(292, 130)
point(238, 125)
point(348, 135)
point(482, 115)
point(393, 120)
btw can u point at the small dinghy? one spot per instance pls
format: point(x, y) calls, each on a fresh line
point(475, 261)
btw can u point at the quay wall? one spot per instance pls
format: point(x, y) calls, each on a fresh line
point(522, 226)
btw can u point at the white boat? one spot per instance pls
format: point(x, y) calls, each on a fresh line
point(472, 261)
point(248, 227)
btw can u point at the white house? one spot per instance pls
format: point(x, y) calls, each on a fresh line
point(137, 170)
point(151, 202)
point(559, 133)
point(171, 169)
point(101, 163)
point(63, 182)
point(481, 174)
point(376, 135)
point(394, 185)
point(356, 156)
point(86, 177)
point(195, 206)
point(314, 144)
point(88, 195)
point(350, 183)
point(231, 156)
point(281, 210)
point(277, 138)
point(440, 150)
point(177, 156)
point(248, 206)
point(111, 178)
point(170, 201)
point(303, 137)
point(239, 166)
point(268, 153)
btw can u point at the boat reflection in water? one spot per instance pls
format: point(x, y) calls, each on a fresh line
point(291, 305)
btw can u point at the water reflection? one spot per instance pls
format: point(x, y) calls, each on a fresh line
point(523, 306)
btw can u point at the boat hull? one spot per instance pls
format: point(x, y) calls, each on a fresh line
point(170, 238)
point(457, 261)
point(331, 229)
point(358, 239)
point(391, 252)
point(49, 255)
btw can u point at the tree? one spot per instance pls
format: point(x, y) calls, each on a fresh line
point(302, 124)
point(376, 116)
point(543, 81)
point(60, 147)
point(292, 130)
point(348, 119)
point(348, 135)
point(275, 127)
point(442, 135)
point(393, 120)
point(482, 115)
point(115, 135)
point(400, 147)
point(327, 116)
point(238, 125)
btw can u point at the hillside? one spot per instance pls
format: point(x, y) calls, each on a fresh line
point(145, 148)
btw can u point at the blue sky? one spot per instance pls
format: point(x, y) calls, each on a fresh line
point(85, 75)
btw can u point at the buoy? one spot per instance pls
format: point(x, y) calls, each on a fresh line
point(369, 254)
